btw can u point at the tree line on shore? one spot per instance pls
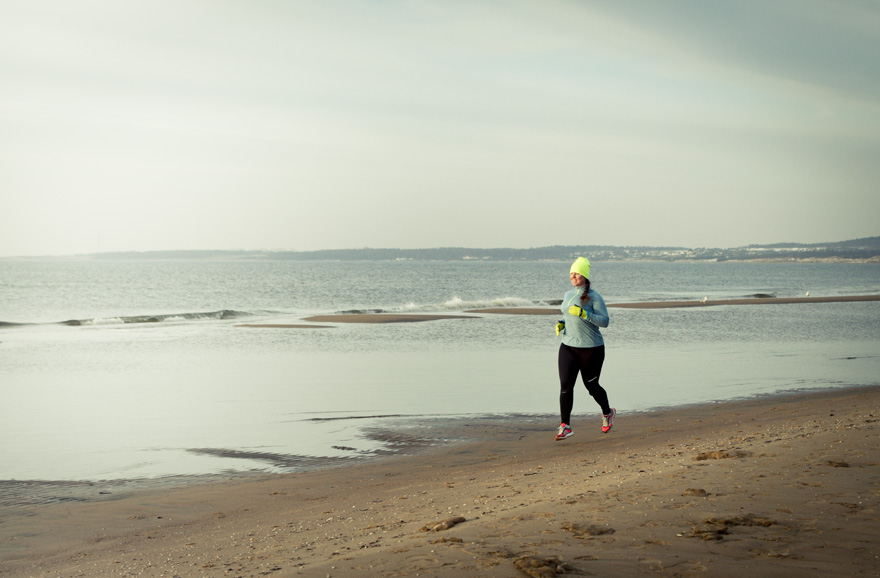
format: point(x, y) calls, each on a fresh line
point(867, 249)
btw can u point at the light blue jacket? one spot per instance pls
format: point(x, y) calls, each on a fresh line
point(584, 332)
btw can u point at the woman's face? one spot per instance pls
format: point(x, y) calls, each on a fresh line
point(577, 279)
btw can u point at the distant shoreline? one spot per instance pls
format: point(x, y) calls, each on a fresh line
point(865, 250)
point(832, 260)
point(263, 258)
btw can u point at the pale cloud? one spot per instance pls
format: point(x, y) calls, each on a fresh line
point(307, 125)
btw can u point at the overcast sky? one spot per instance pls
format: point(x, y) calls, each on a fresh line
point(283, 124)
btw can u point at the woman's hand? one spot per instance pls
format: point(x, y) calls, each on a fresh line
point(560, 326)
point(579, 312)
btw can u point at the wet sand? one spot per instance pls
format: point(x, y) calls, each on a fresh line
point(777, 486)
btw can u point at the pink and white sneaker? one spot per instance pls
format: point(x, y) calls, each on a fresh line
point(607, 420)
point(563, 432)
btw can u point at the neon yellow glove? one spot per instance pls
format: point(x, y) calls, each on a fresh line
point(579, 312)
point(559, 327)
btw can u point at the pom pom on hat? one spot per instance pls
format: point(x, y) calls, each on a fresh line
point(581, 266)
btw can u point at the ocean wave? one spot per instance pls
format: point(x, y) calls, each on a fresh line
point(129, 319)
point(170, 317)
point(458, 304)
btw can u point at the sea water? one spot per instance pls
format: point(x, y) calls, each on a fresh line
point(134, 370)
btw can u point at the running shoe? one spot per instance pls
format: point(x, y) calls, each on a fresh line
point(563, 432)
point(607, 421)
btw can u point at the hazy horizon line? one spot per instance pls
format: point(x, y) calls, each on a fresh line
point(778, 244)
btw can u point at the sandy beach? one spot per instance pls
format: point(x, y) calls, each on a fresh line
point(778, 486)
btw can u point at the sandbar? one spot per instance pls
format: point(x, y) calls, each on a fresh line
point(284, 326)
point(382, 317)
point(692, 303)
point(516, 311)
point(475, 313)
point(747, 301)
point(775, 486)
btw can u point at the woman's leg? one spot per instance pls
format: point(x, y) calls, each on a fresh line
point(591, 361)
point(569, 367)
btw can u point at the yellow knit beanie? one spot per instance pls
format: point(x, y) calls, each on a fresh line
point(581, 266)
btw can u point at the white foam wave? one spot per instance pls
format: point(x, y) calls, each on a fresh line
point(104, 321)
point(456, 303)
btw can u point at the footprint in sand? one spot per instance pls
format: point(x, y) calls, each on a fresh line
point(543, 567)
point(717, 528)
point(584, 531)
point(720, 455)
point(442, 525)
point(699, 492)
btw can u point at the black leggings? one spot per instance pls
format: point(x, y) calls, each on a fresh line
point(587, 362)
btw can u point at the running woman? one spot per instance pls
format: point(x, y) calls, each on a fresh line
point(582, 350)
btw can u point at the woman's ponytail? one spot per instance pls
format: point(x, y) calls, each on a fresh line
point(585, 295)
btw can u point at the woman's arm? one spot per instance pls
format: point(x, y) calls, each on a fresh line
point(599, 313)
